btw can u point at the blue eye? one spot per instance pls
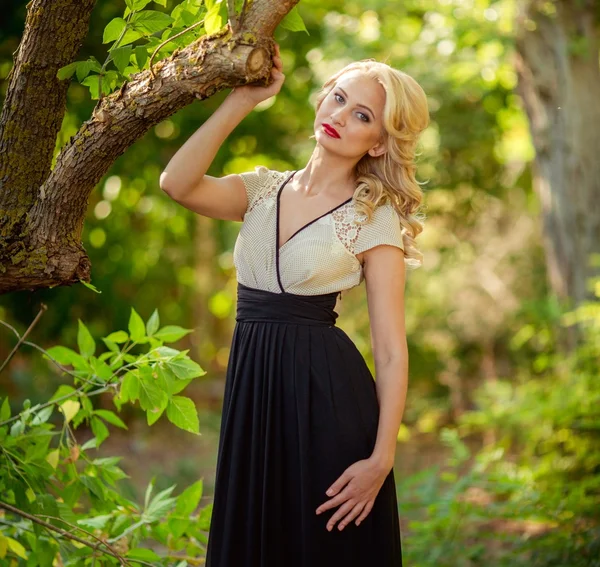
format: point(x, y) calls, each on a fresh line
point(363, 117)
point(338, 97)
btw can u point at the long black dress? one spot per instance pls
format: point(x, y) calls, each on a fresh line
point(300, 406)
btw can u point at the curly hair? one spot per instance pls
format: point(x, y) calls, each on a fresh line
point(390, 177)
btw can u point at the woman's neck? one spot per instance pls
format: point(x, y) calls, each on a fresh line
point(327, 174)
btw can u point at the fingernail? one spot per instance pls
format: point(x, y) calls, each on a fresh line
point(329, 492)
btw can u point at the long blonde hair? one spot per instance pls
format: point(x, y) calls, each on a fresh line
point(391, 176)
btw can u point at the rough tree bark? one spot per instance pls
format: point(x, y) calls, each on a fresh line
point(42, 211)
point(559, 82)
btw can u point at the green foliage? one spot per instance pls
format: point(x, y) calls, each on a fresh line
point(152, 28)
point(532, 496)
point(48, 475)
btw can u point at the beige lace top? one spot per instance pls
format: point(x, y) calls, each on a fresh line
point(319, 257)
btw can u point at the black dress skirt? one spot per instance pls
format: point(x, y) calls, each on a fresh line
point(300, 406)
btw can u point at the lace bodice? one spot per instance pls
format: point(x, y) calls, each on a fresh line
point(318, 258)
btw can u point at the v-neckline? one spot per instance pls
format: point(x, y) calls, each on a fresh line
point(278, 210)
point(277, 207)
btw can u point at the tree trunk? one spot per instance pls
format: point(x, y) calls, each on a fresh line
point(559, 82)
point(42, 211)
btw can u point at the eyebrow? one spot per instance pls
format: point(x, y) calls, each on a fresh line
point(361, 105)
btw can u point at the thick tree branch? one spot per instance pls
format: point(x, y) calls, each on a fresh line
point(45, 249)
point(35, 102)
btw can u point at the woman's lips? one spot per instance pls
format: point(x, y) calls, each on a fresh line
point(330, 131)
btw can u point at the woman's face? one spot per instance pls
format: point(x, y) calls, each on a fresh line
point(349, 122)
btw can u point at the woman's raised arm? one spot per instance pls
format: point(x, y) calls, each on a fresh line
point(184, 178)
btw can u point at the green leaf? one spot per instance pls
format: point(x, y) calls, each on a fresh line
point(150, 21)
point(153, 323)
point(213, 21)
point(83, 70)
point(63, 355)
point(98, 522)
point(16, 547)
point(90, 444)
point(94, 485)
point(141, 56)
point(101, 369)
point(109, 81)
point(118, 337)
point(148, 493)
point(5, 410)
point(62, 390)
point(88, 284)
point(164, 353)
point(67, 71)
point(113, 347)
point(293, 21)
point(69, 409)
point(204, 517)
point(113, 30)
point(177, 526)
point(140, 4)
point(182, 412)
point(130, 36)
point(52, 458)
point(188, 500)
point(171, 333)
point(120, 56)
point(130, 388)
point(99, 430)
point(153, 415)
point(151, 396)
point(85, 341)
point(137, 330)
point(110, 417)
point(143, 554)
point(42, 416)
point(92, 83)
point(160, 505)
point(169, 382)
point(184, 368)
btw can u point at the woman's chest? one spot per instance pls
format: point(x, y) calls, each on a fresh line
point(314, 255)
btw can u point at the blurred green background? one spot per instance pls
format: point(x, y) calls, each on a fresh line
point(498, 458)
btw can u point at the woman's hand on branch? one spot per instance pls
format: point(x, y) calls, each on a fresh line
point(256, 94)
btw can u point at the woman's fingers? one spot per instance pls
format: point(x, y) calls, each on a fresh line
point(333, 502)
point(365, 512)
point(353, 513)
point(340, 513)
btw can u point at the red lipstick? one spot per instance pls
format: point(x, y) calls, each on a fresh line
point(330, 130)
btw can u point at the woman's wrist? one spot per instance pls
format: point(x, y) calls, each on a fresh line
point(241, 101)
point(383, 461)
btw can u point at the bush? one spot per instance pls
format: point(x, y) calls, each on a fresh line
point(532, 496)
point(60, 501)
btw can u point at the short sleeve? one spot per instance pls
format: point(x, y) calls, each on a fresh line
point(255, 181)
point(384, 228)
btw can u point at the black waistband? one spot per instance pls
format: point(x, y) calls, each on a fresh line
point(260, 305)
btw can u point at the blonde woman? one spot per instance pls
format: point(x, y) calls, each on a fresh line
point(307, 442)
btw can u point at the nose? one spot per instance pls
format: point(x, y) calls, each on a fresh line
point(338, 117)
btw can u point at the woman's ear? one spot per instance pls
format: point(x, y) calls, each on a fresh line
point(377, 150)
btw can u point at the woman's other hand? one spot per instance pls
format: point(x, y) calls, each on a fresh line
point(354, 492)
point(256, 94)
